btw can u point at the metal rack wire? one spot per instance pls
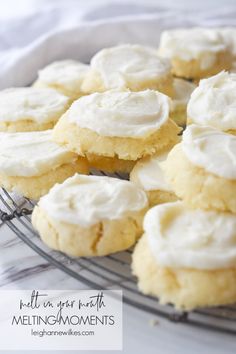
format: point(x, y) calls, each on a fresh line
point(111, 272)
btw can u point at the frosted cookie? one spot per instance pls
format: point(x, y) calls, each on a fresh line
point(213, 103)
point(65, 76)
point(180, 98)
point(124, 125)
point(30, 163)
point(195, 52)
point(91, 216)
point(148, 175)
point(187, 257)
point(128, 66)
point(202, 168)
point(29, 109)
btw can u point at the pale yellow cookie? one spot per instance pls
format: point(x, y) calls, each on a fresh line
point(213, 103)
point(201, 169)
point(91, 216)
point(187, 257)
point(30, 109)
point(110, 164)
point(30, 163)
point(181, 96)
point(128, 66)
point(127, 125)
point(65, 76)
point(148, 175)
point(195, 52)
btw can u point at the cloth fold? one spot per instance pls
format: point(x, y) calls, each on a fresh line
point(27, 44)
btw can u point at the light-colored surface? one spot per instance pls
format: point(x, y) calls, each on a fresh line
point(22, 268)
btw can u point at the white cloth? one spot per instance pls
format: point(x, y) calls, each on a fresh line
point(60, 31)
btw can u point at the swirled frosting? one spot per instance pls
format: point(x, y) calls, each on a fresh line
point(31, 154)
point(68, 74)
point(41, 105)
point(195, 239)
point(129, 63)
point(213, 150)
point(121, 114)
point(87, 200)
point(192, 43)
point(213, 102)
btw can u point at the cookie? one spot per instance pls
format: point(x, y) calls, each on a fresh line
point(128, 66)
point(148, 175)
point(91, 216)
point(187, 257)
point(65, 76)
point(195, 53)
point(127, 125)
point(29, 109)
point(181, 96)
point(202, 168)
point(213, 103)
point(30, 163)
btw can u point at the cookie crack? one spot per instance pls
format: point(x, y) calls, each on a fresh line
point(98, 237)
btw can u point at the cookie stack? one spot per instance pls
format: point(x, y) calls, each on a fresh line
point(119, 114)
point(187, 255)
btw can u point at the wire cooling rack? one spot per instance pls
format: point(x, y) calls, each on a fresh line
point(111, 272)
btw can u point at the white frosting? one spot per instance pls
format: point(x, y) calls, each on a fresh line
point(213, 102)
point(41, 105)
point(182, 92)
point(31, 153)
point(183, 238)
point(211, 149)
point(229, 36)
point(192, 43)
point(148, 174)
point(68, 74)
point(87, 200)
point(124, 64)
point(121, 114)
